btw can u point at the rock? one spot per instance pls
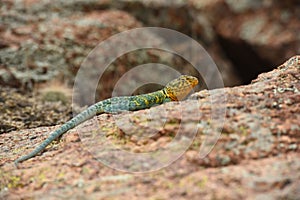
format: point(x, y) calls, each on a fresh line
point(248, 156)
point(257, 35)
point(257, 153)
point(245, 38)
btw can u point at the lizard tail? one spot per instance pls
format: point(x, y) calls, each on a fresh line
point(85, 115)
point(38, 149)
point(45, 143)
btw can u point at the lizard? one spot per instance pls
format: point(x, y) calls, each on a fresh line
point(175, 90)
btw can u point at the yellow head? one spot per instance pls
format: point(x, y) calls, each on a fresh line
point(180, 87)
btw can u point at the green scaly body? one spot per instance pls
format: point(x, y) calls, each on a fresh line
point(175, 90)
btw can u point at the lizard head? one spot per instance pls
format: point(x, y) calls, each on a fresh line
point(180, 87)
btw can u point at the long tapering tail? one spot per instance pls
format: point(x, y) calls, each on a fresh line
point(85, 115)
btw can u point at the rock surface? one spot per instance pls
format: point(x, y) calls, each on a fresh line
point(256, 156)
point(42, 41)
point(20, 110)
point(243, 36)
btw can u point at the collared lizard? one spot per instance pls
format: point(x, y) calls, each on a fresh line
point(175, 90)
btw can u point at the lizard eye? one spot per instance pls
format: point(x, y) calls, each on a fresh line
point(181, 87)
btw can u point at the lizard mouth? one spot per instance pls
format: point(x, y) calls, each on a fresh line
point(181, 87)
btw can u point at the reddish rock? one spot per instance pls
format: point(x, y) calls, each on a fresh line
point(258, 151)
